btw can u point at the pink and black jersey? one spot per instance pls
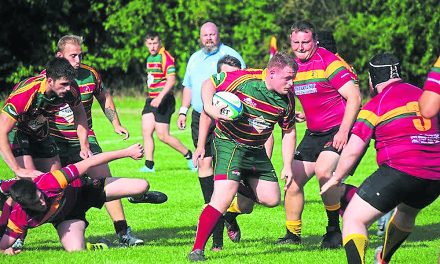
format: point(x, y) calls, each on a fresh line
point(31, 108)
point(52, 185)
point(62, 127)
point(316, 85)
point(404, 139)
point(433, 81)
point(262, 108)
point(159, 67)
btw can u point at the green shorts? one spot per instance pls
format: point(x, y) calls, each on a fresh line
point(23, 144)
point(69, 150)
point(238, 162)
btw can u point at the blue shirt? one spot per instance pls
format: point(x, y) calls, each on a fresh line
point(200, 67)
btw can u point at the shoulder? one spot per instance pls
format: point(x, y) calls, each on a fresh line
point(89, 69)
point(167, 55)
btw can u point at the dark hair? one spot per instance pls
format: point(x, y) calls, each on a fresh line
point(383, 67)
point(228, 60)
point(304, 26)
point(281, 60)
point(152, 35)
point(58, 68)
point(327, 41)
point(24, 192)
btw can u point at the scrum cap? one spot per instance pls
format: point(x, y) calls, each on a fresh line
point(383, 67)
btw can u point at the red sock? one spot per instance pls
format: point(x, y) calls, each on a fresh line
point(207, 221)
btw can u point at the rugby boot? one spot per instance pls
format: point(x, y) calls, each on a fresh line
point(196, 255)
point(377, 256)
point(232, 228)
point(154, 197)
point(128, 239)
point(333, 238)
point(289, 238)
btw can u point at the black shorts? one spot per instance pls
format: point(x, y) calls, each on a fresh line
point(195, 133)
point(91, 194)
point(314, 143)
point(387, 187)
point(23, 144)
point(162, 114)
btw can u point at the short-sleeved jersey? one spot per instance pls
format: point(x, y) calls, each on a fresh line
point(405, 140)
point(262, 108)
point(316, 85)
point(31, 108)
point(54, 186)
point(62, 127)
point(433, 81)
point(159, 67)
point(200, 67)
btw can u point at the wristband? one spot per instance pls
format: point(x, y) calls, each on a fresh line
point(183, 110)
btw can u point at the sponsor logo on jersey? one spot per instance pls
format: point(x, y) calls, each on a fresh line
point(249, 101)
point(305, 89)
point(67, 114)
point(259, 124)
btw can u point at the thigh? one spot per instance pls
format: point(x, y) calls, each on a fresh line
point(71, 234)
point(165, 110)
point(267, 192)
point(302, 171)
point(358, 215)
point(326, 164)
point(224, 193)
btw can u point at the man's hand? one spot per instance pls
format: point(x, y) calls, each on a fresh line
point(340, 140)
point(23, 173)
point(199, 153)
point(135, 151)
point(181, 122)
point(10, 251)
point(329, 184)
point(300, 117)
point(156, 102)
point(122, 131)
point(287, 175)
point(85, 152)
point(215, 111)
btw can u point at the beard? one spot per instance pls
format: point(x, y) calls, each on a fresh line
point(210, 47)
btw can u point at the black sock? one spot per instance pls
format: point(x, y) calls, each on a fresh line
point(217, 233)
point(188, 155)
point(333, 218)
point(120, 226)
point(149, 164)
point(230, 217)
point(207, 184)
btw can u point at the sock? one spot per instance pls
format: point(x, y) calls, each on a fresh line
point(120, 226)
point(394, 237)
point(233, 207)
point(333, 214)
point(294, 226)
point(355, 246)
point(231, 218)
point(217, 232)
point(207, 221)
point(207, 184)
point(149, 164)
point(188, 155)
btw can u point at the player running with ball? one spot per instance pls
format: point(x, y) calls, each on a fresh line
point(239, 144)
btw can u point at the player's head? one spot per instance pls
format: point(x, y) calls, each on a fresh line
point(303, 40)
point(69, 47)
point(381, 69)
point(327, 41)
point(26, 193)
point(153, 43)
point(228, 63)
point(209, 38)
point(281, 71)
point(60, 76)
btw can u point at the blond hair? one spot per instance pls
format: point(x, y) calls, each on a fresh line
point(69, 39)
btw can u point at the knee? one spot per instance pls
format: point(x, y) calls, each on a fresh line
point(142, 186)
point(323, 174)
point(271, 202)
point(294, 189)
point(162, 137)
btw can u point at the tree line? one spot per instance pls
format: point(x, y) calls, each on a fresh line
point(114, 32)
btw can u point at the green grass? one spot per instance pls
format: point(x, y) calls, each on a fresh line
point(169, 229)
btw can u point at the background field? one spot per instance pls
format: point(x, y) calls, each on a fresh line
point(169, 229)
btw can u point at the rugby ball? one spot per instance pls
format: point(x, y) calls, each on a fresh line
point(233, 108)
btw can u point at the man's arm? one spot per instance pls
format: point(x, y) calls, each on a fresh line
point(429, 104)
point(288, 149)
point(350, 91)
point(186, 102)
point(7, 124)
point(6, 243)
point(349, 156)
point(169, 84)
point(208, 91)
point(204, 124)
point(135, 151)
point(82, 129)
point(107, 104)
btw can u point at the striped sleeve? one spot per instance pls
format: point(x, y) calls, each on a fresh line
point(433, 81)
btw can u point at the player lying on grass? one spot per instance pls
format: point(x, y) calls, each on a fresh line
point(62, 197)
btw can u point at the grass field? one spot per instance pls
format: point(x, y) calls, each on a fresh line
point(169, 229)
